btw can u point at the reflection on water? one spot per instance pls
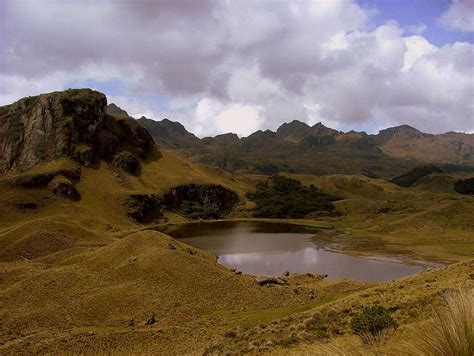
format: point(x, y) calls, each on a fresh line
point(271, 249)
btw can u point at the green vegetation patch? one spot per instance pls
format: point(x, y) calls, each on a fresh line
point(373, 324)
point(205, 201)
point(283, 197)
point(412, 176)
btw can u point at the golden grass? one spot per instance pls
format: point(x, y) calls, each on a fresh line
point(79, 277)
point(410, 298)
point(450, 331)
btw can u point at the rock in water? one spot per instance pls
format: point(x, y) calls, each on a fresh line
point(71, 123)
point(63, 187)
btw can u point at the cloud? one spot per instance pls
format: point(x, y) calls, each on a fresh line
point(219, 66)
point(459, 15)
point(417, 47)
point(212, 117)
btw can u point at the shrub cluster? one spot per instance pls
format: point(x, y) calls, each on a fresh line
point(196, 210)
point(412, 176)
point(282, 197)
point(373, 324)
point(464, 186)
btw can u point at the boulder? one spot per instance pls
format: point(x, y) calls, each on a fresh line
point(127, 162)
point(151, 320)
point(63, 187)
point(269, 280)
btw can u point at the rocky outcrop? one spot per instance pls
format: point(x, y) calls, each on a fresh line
point(126, 162)
point(206, 201)
point(42, 179)
point(63, 187)
point(72, 123)
point(143, 208)
point(123, 134)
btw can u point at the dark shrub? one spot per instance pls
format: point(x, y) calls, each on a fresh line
point(267, 169)
point(373, 324)
point(206, 201)
point(412, 176)
point(464, 186)
point(282, 197)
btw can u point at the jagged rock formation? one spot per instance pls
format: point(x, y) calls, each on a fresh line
point(72, 123)
point(298, 147)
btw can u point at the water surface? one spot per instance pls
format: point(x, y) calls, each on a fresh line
point(272, 248)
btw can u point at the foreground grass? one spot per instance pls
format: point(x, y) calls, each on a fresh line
point(84, 270)
point(450, 331)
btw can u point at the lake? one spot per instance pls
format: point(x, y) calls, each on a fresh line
point(259, 248)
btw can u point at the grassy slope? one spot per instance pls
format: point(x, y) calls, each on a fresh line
point(79, 282)
point(423, 222)
point(65, 296)
point(410, 299)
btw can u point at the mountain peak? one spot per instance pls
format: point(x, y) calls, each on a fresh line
point(167, 133)
point(293, 124)
point(400, 132)
point(115, 110)
point(293, 131)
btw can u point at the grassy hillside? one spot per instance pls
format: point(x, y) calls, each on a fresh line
point(74, 274)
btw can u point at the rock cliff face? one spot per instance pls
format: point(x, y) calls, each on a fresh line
point(72, 123)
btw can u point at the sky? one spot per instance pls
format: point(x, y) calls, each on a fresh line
point(240, 66)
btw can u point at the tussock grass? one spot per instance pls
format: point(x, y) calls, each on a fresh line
point(451, 330)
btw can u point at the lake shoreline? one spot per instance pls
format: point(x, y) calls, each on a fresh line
point(315, 255)
point(331, 240)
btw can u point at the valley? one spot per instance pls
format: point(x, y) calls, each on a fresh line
point(92, 259)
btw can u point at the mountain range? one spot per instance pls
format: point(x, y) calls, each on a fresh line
point(296, 147)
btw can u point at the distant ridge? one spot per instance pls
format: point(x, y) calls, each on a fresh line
point(297, 147)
